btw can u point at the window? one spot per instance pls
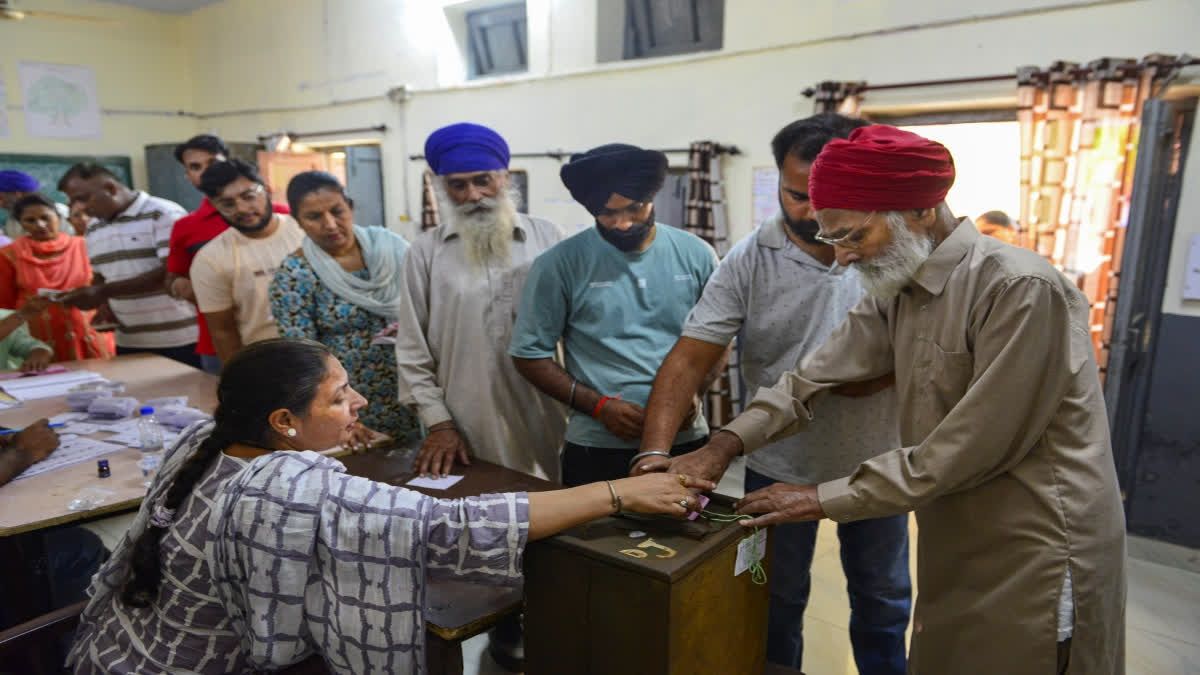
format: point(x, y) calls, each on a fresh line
point(496, 40)
point(638, 29)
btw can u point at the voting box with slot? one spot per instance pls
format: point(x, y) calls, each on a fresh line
point(603, 598)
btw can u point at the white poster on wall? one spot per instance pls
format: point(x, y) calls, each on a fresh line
point(59, 101)
point(3, 109)
point(766, 193)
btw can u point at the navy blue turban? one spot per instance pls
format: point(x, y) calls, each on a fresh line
point(17, 181)
point(593, 176)
point(465, 148)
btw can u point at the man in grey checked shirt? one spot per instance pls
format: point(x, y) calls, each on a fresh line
point(784, 293)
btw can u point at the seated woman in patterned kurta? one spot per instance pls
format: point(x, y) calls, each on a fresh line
point(251, 552)
point(341, 289)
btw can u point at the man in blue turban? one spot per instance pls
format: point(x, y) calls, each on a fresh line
point(13, 186)
point(463, 280)
point(616, 296)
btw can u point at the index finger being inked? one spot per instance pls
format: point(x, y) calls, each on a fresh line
point(698, 483)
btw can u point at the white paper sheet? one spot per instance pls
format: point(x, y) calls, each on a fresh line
point(749, 551)
point(434, 483)
point(70, 451)
point(48, 386)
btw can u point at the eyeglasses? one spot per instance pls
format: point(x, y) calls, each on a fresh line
point(227, 204)
point(632, 211)
point(852, 239)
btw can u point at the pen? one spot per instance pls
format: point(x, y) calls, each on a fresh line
point(17, 431)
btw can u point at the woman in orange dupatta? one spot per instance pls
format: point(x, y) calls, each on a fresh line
point(48, 258)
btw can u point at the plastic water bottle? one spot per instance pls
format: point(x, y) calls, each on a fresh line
point(151, 437)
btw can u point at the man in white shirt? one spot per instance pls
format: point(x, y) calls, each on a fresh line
point(231, 275)
point(127, 245)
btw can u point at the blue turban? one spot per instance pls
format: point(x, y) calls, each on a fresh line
point(593, 176)
point(465, 148)
point(17, 181)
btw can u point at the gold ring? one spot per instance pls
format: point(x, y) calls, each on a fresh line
point(683, 480)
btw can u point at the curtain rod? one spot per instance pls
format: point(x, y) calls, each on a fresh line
point(566, 154)
point(1102, 65)
point(331, 132)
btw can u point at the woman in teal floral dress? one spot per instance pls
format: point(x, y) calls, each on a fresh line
point(340, 289)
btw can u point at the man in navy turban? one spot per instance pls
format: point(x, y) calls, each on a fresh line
point(615, 296)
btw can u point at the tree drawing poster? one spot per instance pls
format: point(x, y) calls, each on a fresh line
point(59, 101)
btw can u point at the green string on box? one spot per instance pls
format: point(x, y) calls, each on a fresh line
point(757, 574)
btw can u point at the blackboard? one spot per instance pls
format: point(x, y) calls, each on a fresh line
point(47, 169)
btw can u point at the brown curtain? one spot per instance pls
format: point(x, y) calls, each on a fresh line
point(429, 202)
point(705, 217)
point(1079, 133)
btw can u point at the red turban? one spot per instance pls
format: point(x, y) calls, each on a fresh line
point(880, 168)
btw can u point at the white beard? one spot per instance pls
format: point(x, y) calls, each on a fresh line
point(892, 270)
point(486, 226)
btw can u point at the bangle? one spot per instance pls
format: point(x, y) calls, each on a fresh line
point(652, 453)
point(603, 400)
point(571, 397)
point(616, 498)
point(449, 426)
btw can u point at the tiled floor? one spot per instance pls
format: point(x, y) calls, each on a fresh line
point(1162, 614)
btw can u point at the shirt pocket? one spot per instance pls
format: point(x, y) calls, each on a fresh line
point(943, 376)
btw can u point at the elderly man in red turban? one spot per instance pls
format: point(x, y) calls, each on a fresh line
point(1021, 541)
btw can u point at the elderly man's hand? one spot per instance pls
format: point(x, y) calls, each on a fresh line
point(708, 463)
point(437, 454)
point(37, 440)
point(84, 297)
point(781, 503)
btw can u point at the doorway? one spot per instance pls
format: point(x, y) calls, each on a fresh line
point(357, 166)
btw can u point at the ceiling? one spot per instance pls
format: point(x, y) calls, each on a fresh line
point(166, 6)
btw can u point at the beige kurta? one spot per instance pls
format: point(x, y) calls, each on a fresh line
point(455, 323)
point(1007, 461)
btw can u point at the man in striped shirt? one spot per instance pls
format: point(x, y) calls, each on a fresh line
point(128, 246)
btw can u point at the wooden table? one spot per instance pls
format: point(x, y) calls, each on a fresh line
point(41, 501)
point(455, 610)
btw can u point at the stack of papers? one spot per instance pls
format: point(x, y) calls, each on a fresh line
point(48, 386)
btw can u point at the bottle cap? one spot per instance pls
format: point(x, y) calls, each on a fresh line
point(102, 468)
point(146, 411)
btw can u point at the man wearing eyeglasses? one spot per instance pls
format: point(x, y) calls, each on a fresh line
point(1021, 548)
point(782, 293)
point(127, 245)
point(231, 276)
point(196, 229)
point(616, 296)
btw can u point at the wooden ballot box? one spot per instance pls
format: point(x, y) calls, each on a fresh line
point(603, 598)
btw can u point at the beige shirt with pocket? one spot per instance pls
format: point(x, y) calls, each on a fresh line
point(234, 271)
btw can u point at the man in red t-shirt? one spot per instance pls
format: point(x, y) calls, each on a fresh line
point(194, 230)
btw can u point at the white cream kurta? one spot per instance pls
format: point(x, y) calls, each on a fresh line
point(455, 324)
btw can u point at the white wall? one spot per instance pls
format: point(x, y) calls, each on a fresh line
point(139, 63)
point(1187, 225)
point(282, 62)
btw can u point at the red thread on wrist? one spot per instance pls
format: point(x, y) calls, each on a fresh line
point(603, 400)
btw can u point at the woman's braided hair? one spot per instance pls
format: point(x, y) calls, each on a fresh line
point(260, 379)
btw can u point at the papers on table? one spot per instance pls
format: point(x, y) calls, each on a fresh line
point(434, 483)
point(71, 451)
point(49, 386)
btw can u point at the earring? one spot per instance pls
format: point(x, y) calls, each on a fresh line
point(291, 433)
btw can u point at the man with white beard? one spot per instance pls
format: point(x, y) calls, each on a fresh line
point(463, 281)
point(1021, 534)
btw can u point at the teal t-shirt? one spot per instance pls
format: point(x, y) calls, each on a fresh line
point(618, 315)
